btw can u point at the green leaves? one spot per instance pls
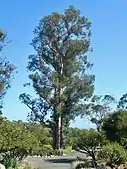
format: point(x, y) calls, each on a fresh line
point(115, 126)
point(57, 50)
point(19, 139)
point(122, 104)
point(2, 39)
point(7, 70)
point(58, 69)
point(13, 137)
point(89, 140)
point(99, 108)
point(114, 154)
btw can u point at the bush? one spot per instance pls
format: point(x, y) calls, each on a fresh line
point(77, 164)
point(114, 154)
point(46, 150)
point(67, 150)
point(84, 163)
point(58, 152)
point(49, 152)
point(9, 161)
point(26, 165)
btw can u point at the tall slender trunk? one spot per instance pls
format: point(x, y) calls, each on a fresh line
point(59, 144)
point(59, 132)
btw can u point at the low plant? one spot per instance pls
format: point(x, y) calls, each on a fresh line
point(9, 161)
point(58, 152)
point(79, 164)
point(114, 154)
point(76, 164)
point(26, 165)
point(67, 150)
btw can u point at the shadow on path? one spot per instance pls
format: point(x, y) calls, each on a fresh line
point(62, 160)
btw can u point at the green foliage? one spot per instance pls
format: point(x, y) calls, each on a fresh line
point(67, 150)
point(6, 70)
point(17, 139)
point(114, 154)
point(59, 69)
point(26, 165)
point(57, 152)
point(72, 137)
point(9, 161)
point(115, 127)
point(16, 142)
point(122, 104)
point(78, 165)
point(89, 141)
point(82, 163)
point(2, 39)
point(98, 109)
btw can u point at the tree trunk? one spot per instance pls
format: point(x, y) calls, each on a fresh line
point(59, 144)
point(54, 135)
point(59, 132)
point(94, 160)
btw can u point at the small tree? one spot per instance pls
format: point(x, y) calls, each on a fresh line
point(89, 141)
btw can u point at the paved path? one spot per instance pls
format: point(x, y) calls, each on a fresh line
point(55, 163)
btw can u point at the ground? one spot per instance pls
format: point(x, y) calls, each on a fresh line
point(54, 163)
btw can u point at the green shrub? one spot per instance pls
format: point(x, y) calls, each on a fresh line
point(26, 165)
point(46, 150)
point(114, 154)
point(81, 164)
point(58, 152)
point(75, 164)
point(9, 161)
point(67, 150)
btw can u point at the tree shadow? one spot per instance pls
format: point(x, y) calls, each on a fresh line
point(62, 160)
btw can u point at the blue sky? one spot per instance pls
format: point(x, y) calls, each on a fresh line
point(109, 41)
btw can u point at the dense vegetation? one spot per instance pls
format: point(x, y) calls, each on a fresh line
point(60, 75)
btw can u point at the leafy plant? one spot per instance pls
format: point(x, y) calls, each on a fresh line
point(26, 165)
point(9, 161)
point(114, 154)
point(67, 150)
point(16, 143)
point(89, 141)
point(115, 127)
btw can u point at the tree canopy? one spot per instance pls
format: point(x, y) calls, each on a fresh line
point(98, 109)
point(115, 127)
point(89, 141)
point(6, 69)
point(59, 69)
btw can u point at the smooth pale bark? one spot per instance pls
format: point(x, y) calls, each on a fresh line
point(59, 141)
point(59, 132)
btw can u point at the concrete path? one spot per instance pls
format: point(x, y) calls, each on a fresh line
point(54, 163)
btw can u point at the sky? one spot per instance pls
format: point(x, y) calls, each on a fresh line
point(109, 42)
